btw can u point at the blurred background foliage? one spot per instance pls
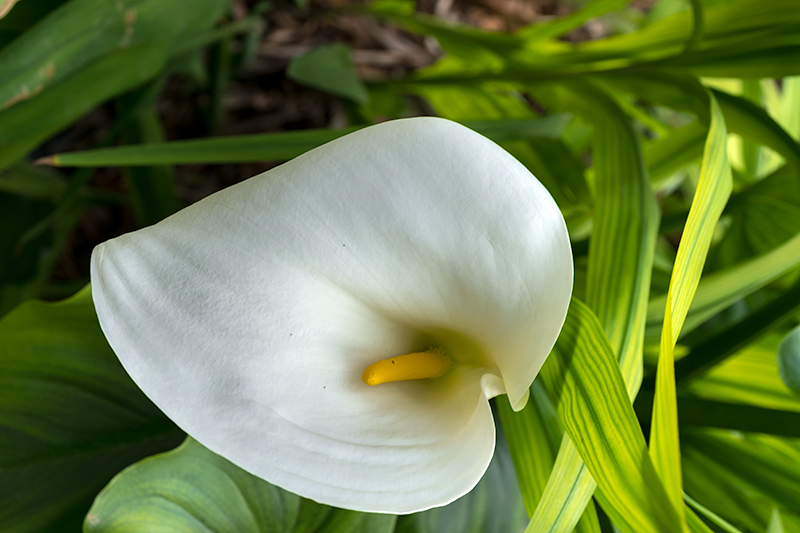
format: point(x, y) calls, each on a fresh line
point(653, 123)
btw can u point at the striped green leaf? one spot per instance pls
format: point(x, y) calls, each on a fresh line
point(713, 189)
point(618, 278)
point(583, 378)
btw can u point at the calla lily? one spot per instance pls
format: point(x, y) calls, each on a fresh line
point(256, 318)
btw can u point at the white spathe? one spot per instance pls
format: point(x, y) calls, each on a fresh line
point(249, 317)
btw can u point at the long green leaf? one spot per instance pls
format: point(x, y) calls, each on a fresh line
point(270, 146)
point(84, 31)
point(534, 432)
point(618, 277)
point(28, 123)
point(713, 189)
point(584, 379)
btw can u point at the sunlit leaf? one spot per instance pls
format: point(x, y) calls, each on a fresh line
point(713, 189)
point(584, 379)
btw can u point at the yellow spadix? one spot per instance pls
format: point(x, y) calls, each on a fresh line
point(432, 363)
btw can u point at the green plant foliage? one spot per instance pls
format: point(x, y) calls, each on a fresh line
point(686, 243)
point(330, 69)
point(71, 416)
point(605, 433)
point(193, 489)
point(493, 506)
point(789, 360)
point(59, 44)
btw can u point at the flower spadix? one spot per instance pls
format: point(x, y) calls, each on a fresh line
point(262, 319)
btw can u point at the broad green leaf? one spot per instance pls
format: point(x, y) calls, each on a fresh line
point(623, 238)
point(713, 189)
point(28, 123)
point(493, 506)
point(84, 31)
point(789, 361)
point(71, 416)
point(583, 378)
point(329, 68)
point(193, 489)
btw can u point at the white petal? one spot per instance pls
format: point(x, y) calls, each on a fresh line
point(249, 317)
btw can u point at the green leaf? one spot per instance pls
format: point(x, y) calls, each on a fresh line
point(71, 416)
point(81, 32)
point(750, 377)
point(713, 189)
point(32, 182)
point(756, 464)
point(584, 380)
point(789, 360)
point(28, 123)
point(533, 436)
point(669, 154)
point(711, 515)
point(330, 68)
point(151, 189)
point(193, 489)
point(493, 506)
point(264, 147)
point(244, 148)
point(752, 122)
point(720, 289)
point(620, 260)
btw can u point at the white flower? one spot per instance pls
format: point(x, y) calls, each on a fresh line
point(249, 317)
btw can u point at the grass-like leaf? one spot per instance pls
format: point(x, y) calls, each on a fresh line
point(713, 189)
point(584, 379)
